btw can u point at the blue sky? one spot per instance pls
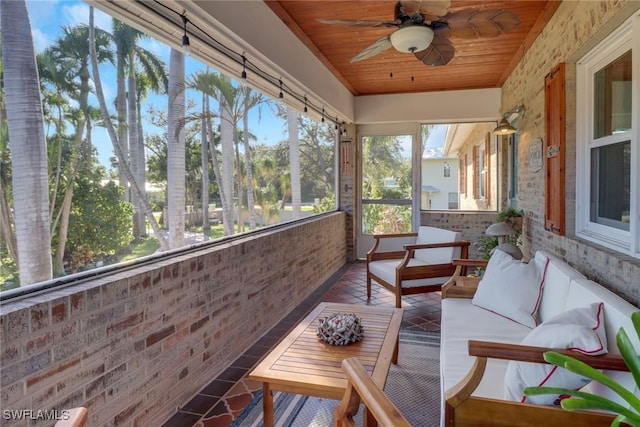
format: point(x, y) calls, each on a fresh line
point(49, 16)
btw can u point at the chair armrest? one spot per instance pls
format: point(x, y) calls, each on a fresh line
point(461, 243)
point(453, 289)
point(522, 353)
point(471, 262)
point(387, 236)
point(384, 246)
point(362, 388)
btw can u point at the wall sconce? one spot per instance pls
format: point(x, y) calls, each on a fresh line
point(504, 127)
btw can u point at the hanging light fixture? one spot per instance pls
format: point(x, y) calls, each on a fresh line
point(186, 47)
point(412, 39)
point(243, 75)
point(504, 127)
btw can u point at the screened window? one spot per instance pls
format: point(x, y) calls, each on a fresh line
point(608, 177)
point(203, 157)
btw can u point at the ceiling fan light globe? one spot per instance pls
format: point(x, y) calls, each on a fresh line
point(412, 39)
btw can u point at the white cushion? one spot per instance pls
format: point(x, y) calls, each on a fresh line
point(617, 314)
point(386, 270)
point(510, 288)
point(437, 255)
point(557, 279)
point(462, 321)
point(580, 329)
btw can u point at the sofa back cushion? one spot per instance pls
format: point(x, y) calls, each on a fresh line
point(437, 235)
point(617, 313)
point(510, 288)
point(557, 279)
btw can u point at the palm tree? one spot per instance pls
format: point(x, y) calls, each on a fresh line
point(176, 150)
point(250, 99)
point(130, 56)
point(114, 138)
point(294, 162)
point(226, 98)
point(201, 81)
point(72, 55)
point(27, 144)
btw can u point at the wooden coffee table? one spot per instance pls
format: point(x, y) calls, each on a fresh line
point(303, 364)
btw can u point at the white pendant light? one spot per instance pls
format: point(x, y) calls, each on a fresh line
point(411, 39)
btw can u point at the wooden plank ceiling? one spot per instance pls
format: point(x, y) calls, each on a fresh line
point(478, 63)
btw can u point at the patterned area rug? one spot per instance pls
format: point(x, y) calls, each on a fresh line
point(413, 385)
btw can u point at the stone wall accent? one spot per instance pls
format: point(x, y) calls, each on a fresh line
point(134, 345)
point(574, 28)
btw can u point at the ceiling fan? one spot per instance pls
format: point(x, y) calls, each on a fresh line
point(424, 28)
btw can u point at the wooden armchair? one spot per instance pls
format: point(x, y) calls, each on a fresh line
point(412, 263)
point(362, 389)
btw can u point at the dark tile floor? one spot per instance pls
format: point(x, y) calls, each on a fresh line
point(225, 397)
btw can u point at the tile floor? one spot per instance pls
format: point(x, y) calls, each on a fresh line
point(225, 397)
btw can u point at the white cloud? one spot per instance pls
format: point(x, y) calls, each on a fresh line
point(79, 14)
point(40, 40)
point(154, 46)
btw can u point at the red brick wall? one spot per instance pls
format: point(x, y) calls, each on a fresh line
point(135, 345)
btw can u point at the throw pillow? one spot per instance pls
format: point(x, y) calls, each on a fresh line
point(510, 288)
point(580, 329)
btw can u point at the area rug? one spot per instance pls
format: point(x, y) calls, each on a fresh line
point(413, 385)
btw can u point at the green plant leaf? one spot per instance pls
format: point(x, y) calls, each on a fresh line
point(631, 359)
point(581, 399)
point(592, 401)
point(635, 319)
point(585, 370)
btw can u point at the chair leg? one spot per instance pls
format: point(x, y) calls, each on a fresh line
point(368, 286)
point(398, 297)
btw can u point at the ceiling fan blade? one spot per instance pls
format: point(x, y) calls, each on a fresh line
point(431, 9)
point(357, 23)
point(476, 23)
point(373, 50)
point(439, 52)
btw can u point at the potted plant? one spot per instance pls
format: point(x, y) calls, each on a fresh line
point(582, 400)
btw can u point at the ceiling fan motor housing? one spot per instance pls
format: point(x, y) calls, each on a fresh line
point(412, 38)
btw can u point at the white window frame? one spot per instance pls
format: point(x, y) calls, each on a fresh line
point(623, 39)
point(482, 172)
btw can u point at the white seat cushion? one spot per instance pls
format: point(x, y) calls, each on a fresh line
point(463, 321)
point(386, 270)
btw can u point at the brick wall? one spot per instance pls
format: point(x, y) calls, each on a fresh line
point(574, 27)
point(134, 345)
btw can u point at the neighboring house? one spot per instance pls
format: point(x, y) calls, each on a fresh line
point(477, 164)
point(439, 188)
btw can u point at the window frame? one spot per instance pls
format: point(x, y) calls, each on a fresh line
point(624, 39)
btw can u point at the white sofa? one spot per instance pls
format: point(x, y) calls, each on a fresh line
point(470, 398)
